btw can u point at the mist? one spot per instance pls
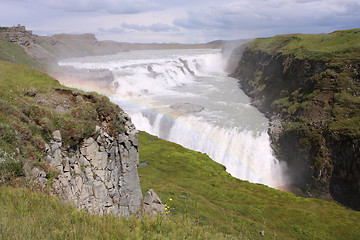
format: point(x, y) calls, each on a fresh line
point(185, 96)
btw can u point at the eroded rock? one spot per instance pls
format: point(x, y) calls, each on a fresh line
point(152, 203)
point(101, 175)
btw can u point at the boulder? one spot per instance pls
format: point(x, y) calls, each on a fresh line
point(152, 203)
point(38, 178)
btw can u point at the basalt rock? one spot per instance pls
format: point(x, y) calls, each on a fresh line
point(38, 178)
point(152, 203)
point(100, 176)
point(323, 163)
point(18, 34)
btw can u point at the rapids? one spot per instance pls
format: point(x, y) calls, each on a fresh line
point(185, 96)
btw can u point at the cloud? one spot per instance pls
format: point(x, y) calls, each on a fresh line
point(112, 30)
point(259, 17)
point(107, 6)
point(125, 27)
point(156, 27)
point(193, 21)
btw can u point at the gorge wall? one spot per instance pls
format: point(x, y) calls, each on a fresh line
point(100, 175)
point(313, 104)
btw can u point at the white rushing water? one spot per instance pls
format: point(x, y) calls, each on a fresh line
point(185, 96)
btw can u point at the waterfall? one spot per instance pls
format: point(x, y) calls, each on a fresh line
point(185, 96)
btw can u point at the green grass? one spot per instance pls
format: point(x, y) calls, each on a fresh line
point(26, 214)
point(12, 52)
point(312, 46)
point(202, 191)
point(206, 203)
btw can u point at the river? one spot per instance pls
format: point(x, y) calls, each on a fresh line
point(186, 97)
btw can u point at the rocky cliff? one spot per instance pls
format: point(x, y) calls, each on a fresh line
point(18, 34)
point(99, 175)
point(309, 85)
point(78, 146)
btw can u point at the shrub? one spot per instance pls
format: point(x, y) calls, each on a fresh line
point(10, 167)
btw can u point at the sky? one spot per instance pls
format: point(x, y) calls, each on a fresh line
point(181, 21)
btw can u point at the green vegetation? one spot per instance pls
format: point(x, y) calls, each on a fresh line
point(332, 46)
point(10, 167)
point(313, 82)
point(346, 111)
point(33, 105)
point(204, 202)
point(14, 53)
point(26, 214)
point(202, 191)
point(329, 98)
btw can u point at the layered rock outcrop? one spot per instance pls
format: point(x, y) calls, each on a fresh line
point(266, 78)
point(100, 176)
point(303, 99)
point(18, 34)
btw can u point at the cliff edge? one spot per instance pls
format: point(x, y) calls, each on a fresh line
point(309, 86)
point(78, 146)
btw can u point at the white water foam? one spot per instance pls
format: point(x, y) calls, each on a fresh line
point(228, 129)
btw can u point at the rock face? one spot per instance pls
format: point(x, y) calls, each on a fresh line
point(152, 203)
point(101, 175)
point(323, 163)
point(266, 78)
point(38, 178)
point(18, 35)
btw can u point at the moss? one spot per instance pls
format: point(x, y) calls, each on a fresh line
point(319, 161)
point(293, 126)
point(348, 127)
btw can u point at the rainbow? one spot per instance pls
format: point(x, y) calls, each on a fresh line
point(197, 129)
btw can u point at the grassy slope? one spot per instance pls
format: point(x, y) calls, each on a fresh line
point(204, 192)
point(26, 214)
point(33, 105)
point(14, 53)
point(207, 203)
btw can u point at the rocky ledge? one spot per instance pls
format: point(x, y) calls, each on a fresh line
point(18, 34)
point(100, 176)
